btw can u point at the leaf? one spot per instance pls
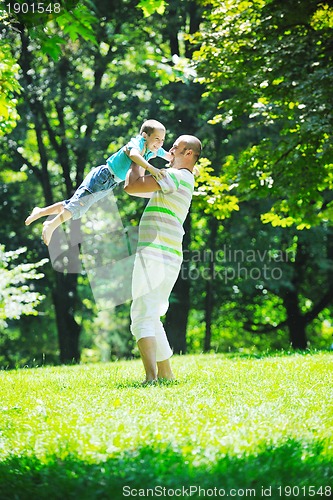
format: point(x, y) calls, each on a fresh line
point(149, 7)
point(52, 46)
point(79, 22)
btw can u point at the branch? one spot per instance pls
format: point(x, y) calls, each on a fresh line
point(326, 300)
point(286, 153)
point(100, 66)
point(31, 167)
point(62, 150)
point(25, 64)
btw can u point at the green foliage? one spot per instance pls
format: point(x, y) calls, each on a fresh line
point(212, 192)
point(149, 7)
point(228, 422)
point(78, 22)
point(92, 74)
point(84, 93)
point(270, 64)
point(9, 88)
point(243, 274)
point(17, 297)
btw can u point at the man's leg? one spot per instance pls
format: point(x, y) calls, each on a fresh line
point(164, 370)
point(147, 348)
point(163, 349)
point(152, 284)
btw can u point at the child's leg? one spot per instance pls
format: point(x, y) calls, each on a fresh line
point(38, 212)
point(50, 226)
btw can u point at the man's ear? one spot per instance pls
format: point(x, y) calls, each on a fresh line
point(144, 135)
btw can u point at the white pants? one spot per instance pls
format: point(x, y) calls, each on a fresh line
point(153, 281)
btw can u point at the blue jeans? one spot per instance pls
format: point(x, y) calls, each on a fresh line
point(94, 187)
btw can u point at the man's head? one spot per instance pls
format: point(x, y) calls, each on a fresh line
point(185, 152)
point(154, 133)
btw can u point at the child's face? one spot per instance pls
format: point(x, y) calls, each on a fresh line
point(155, 140)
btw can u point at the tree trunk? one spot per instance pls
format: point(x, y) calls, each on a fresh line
point(208, 311)
point(295, 321)
point(177, 315)
point(64, 297)
point(209, 300)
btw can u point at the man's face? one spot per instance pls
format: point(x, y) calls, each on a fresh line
point(177, 151)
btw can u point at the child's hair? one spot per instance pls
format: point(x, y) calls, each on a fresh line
point(150, 125)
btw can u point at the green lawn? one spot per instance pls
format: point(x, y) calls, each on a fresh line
point(230, 426)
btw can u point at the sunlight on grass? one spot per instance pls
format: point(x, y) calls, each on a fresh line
point(221, 415)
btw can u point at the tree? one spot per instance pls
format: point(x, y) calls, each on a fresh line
point(262, 286)
point(39, 125)
point(268, 64)
point(78, 95)
point(269, 61)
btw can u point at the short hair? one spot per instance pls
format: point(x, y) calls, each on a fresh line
point(192, 143)
point(150, 125)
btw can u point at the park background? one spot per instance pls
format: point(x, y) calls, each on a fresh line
point(251, 79)
point(251, 409)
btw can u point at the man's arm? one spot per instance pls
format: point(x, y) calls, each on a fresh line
point(138, 184)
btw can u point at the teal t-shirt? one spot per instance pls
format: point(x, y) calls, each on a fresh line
point(120, 163)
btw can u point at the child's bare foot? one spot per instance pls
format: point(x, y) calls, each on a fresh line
point(33, 216)
point(47, 232)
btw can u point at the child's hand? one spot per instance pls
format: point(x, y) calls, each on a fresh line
point(157, 173)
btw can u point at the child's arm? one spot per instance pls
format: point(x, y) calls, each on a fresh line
point(167, 156)
point(134, 173)
point(137, 158)
point(138, 184)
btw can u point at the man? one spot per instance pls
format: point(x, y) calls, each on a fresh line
point(159, 254)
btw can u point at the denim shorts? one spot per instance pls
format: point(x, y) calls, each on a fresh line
point(98, 183)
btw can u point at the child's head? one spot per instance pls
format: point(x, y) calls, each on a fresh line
point(150, 126)
point(154, 133)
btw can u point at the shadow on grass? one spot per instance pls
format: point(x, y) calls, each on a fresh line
point(166, 473)
point(281, 353)
point(141, 385)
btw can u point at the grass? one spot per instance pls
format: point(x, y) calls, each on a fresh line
point(243, 427)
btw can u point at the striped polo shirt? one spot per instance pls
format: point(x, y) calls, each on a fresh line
point(161, 226)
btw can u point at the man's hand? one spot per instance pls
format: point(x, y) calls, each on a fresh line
point(138, 184)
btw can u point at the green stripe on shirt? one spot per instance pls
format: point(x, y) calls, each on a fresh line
point(161, 226)
point(175, 180)
point(147, 244)
point(186, 184)
point(154, 208)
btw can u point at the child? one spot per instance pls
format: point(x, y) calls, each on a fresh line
point(146, 145)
